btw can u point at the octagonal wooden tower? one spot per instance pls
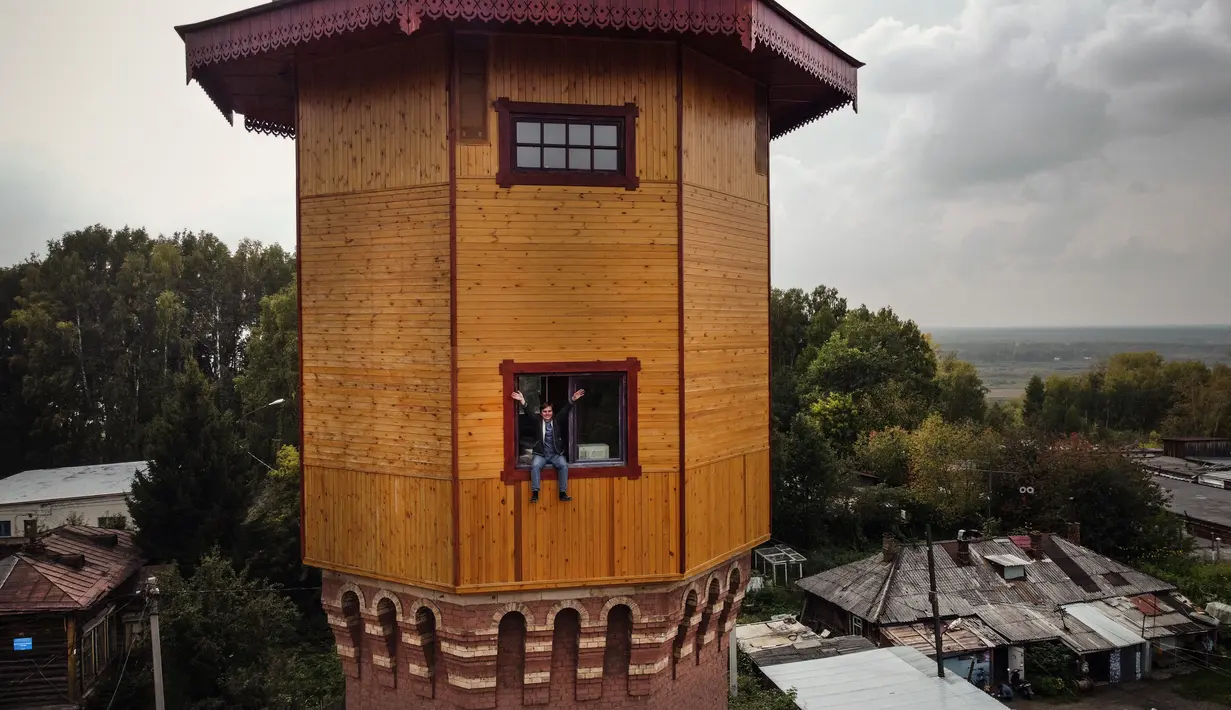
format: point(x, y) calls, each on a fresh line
point(501, 195)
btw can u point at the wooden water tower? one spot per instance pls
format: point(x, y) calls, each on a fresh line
point(537, 196)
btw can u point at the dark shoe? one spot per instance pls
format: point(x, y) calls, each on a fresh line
point(565, 496)
point(534, 496)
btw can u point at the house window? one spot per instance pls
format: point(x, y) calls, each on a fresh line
point(562, 144)
point(600, 430)
point(856, 625)
point(29, 528)
point(96, 648)
point(6, 528)
point(113, 522)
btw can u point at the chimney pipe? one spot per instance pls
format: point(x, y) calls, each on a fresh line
point(1036, 545)
point(889, 548)
point(1074, 533)
point(963, 553)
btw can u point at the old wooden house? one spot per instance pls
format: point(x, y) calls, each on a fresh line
point(499, 197)
point(63, 599)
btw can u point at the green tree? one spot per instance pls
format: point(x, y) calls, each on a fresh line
point(271, 372)
point(271, 540)
point(1032, 406)
point(885, 454)
point(945, 468)
point(193, 497)
point(230, 642)
point(962, 396)
point(1202, 405)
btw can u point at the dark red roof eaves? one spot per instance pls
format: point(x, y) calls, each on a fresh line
point(38, 583)
point(802, 27)
point(253, 11)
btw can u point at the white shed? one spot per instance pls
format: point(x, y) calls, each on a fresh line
point(50, 497)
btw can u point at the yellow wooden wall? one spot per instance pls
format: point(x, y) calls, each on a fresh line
point(726, 315)
point(374, 270)
point(603, 262)
point(374, 120)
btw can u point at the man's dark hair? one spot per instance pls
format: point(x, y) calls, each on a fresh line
point(546, 405)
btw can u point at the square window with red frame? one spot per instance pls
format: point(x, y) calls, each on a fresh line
point(600, 431)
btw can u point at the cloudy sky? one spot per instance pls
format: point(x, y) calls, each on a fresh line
point(1014, 162)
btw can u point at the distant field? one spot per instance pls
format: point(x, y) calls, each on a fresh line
point(1008, 357)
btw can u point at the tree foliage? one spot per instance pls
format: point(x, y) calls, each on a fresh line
point(94, 332)
point(195, 491)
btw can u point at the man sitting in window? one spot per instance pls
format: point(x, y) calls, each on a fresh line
point(549, 446)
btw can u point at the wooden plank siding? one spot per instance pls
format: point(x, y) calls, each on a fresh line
point(375, 119)
point(726, 316)
point(591, 71)
point(566, 274)
point(537, 273)
point(375, 279)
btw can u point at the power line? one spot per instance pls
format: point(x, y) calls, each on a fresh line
point(120, 678)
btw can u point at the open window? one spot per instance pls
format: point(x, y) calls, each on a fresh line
point(567, 144)
point(601, 429)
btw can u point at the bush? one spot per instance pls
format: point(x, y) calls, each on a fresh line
point(1049, 686)
point(769, 601)
point(755, 693)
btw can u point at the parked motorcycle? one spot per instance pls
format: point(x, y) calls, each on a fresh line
point(1019, 686)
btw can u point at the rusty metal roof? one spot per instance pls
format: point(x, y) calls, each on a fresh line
point(962, 635)
point(71, 567)
point(896, 592)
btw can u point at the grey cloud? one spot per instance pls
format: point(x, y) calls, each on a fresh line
point(1022, 162)
point(999, 128)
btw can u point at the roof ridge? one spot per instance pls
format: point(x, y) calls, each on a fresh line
point(883, 597)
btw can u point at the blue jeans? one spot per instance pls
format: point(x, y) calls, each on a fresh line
point(536, 470)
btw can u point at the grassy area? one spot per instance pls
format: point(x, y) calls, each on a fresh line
point(1211, 684)
point(767, 601)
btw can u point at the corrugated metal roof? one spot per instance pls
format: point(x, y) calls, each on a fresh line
point(38, 582)
point(1065, 574)
point(1163, 618)
point(52, 484)
point(898, 678)
point(962, 635)
point(1116, 634)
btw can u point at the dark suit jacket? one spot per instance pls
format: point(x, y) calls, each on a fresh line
point(559, 425)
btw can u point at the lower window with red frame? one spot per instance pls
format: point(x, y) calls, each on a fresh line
point(600, 430)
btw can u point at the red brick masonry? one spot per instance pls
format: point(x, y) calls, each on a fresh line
point(652, 646)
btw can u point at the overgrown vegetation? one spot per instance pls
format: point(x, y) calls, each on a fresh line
point(769, 601)
point(756, 693)
point(1201, 581)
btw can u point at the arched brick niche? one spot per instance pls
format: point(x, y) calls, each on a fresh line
point(649, 647)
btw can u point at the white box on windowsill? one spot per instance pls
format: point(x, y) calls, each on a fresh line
point(592, 452)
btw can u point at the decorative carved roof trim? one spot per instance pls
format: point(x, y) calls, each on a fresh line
point(271, 128)
point(282, 24)
point(286, 23)
point(775, 30)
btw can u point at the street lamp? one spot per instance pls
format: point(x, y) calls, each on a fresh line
point(274, 403)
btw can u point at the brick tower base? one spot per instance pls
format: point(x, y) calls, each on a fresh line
point(649, 646)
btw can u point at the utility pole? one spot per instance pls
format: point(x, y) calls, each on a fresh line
point(940, 666)
point(152, 591)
